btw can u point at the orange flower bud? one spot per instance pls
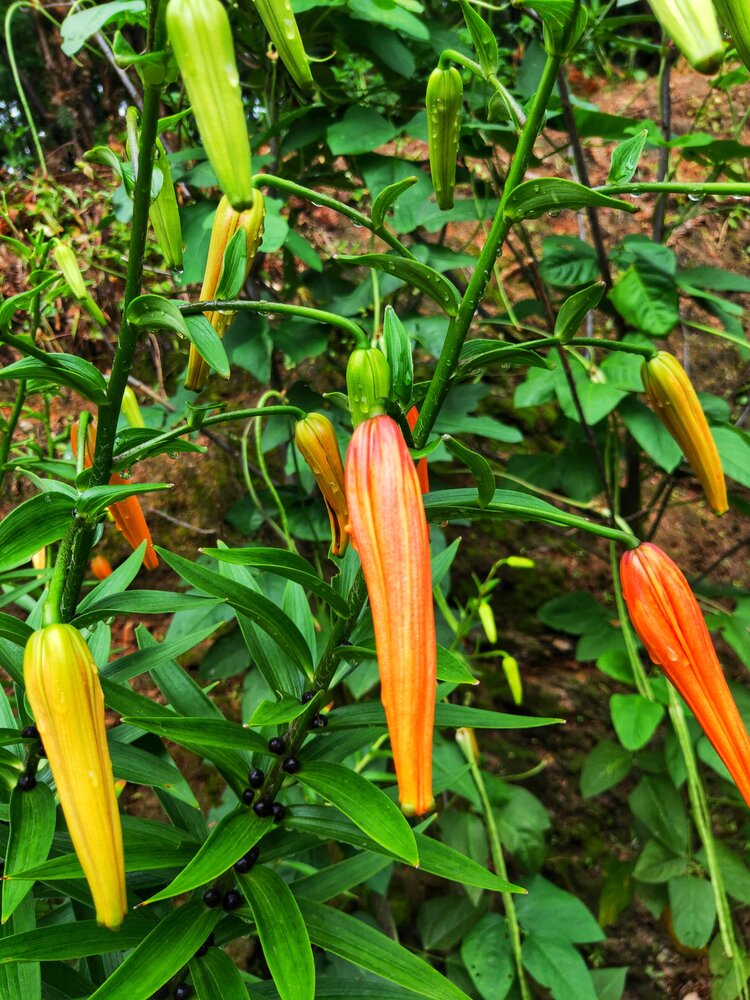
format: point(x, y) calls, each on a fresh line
point(389, 531)
point(316, 440)
point(673, 399)
point(424, 479)
point(100, 567)
point(127, 514)
point(666, 616)
point(63, 689)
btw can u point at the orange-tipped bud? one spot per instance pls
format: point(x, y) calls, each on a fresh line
point(127, 514)
point(672, 397)
point(63, 689)
point(389, 531)
point(316, 440)
point(226, 223)
point(666, 616)
point(424, 479)
point(100, 567)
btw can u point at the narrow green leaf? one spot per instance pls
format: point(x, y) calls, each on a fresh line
point(96, 499)
point(201, 732)
point(233, 267)
point(478, 465)
point(31, 525)
point(286, 564)
point(154, 312)
point(282, 932)
point(329, 882)
point(553, 194)
point(59, 942)
point(365, 804)
point(625, 158)
point(367, 948)
point(452, 667)
point(207, 343)
point(143, 858)
point(139, 602)
point(169, 946)
point(574, 310)
point(32, 826)
point(482, 38)
point(479, 354)
point(232, 837)
point(414, 272)
point(454, 716)
point(61, 369)
point(387, 198)
point(397, 344)
point(154, 657)
point(142, 768)
point(216, 976)
point(22, 979)
point(273, 713)
point(14, 629)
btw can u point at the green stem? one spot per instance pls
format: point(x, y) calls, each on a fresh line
point(19, 86)
point(678, 187)
point(52, 614)
point(459, 327)
point(639, 674)
point(283, 308)
point(286, 533)
point(10, 429)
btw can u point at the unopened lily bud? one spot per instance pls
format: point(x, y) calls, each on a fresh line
point(67, 261)
point(513, 677)
point(468, 745)
point(487, 618)
point(281, 25)
point(444, 99)
point(164, 213)
point(315, 438)
point(39, 559)
point(100, 567)
point(368, 379)
point(692, 26)
point(736, 17)
point(227, 221)
point(674, 400)
point(130, 408)
point(63, 690)
point(201, 40)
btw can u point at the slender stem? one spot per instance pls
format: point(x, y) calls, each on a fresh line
point(10, 429)
point(665, 115)
point(459, 327)
point(283, 308)
point(738, 188)
point(19, 86)
point(639, 674)
point(258, 421)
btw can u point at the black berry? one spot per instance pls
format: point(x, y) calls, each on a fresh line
point(212, 897)
point(205, 946)
point(247, 796)
point(232, 900)
point(276, 744)
point(256, 777)
point(253, 854)
point(182, 992)
point(308, 696)
point(278, 812)
point(291, 765)
point(262, 808)
point(319, 721)
point(243, 866)
point(30, 733)
point(26, 782)
point(161, 994)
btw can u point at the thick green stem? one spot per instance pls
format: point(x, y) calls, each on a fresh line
point(459, 327)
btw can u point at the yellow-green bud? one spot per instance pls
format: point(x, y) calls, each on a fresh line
point(692, 26)
point(444, 100)
point(368, 379)
point(164, 213)
point(281, 25)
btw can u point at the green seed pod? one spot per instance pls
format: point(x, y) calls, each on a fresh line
point(165, 214)
point(281, 25)
point(736, 17)
point(444, 99)
point(368, 379)
point(202, 43)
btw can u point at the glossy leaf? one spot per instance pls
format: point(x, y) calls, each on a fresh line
point(14, 629)
point(148, 857)
point(331, 881)
point(364, 803)
point(201, 732)
point(482, 38)
point(32, 826)
point(479, 354)
point(397, 346)
point(31, 525)
point(372, 714)
point(553, 194)
point(478, 465)
point(282, 932)
point(155, 656)
point(625, 158)
point(215, 975)
point(388, 197)
point(413, 272)
point(575, 309)
point(60, 942)
point(564, 22)
point(154, 312)
point(96, 499)
point(140, 602)
point(61, 369)
point(207, 343)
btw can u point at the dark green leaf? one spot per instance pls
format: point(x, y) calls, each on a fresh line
point(201, 732)
point(479, 354)
point(574, 310)
point(446, 715)
point(58, 942)
point(154, 312)
point(487, 953)
point(605, 766)
point(96, 499)
point(625, 158)
point(646, 298)
point(139, 602)
point(32, 826)
point(478, 465)
point(397, 346)
point(414, 273)
point(553, 194)
point(329, 882)
point(216, 976)
point(14, 629)
point(693, 910)
point(635, 719)
point(482, 37)
point(388, 197)
point(207, 343)
point(233, 267)
point(557, 965)
point(31, 525)
point(62, 369)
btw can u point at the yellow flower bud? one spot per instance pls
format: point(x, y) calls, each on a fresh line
point(63, 689)
point(316, 440)
point(130, 408)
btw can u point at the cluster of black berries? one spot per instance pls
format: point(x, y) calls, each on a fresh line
point(27, 781)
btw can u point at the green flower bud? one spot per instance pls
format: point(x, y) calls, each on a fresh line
point(281, 25)
point(165, 214)
point(202, 43)
point(444, 100)
point(692, 26)
point(368, 379)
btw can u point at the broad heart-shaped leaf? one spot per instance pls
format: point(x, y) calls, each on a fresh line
point(604, 766)
point(646, 298)
point(282, 932)
point(478, 465)
point(60, 942)
point(482, 38)
point(232, 837)
point(81, 24)
point(154, 312)
point(413, 272)
point(62, 369)
point(552, 194)
point(96, 499)
point(283, 563)
point(200, 732)
point(365, 804)
point(574, 310)
point(446, 505)
point(169, 946)
point(32, 826)
point(31, 525)
point(215, 975)
point(479, 354)
point(388, 197)
point(635, 719)
point(263, 612)
point(558, 965)
point(207, 343)
point(625, 158)
point(139, 602)
point(357, 942)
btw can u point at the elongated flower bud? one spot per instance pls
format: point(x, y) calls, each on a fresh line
point(673, 399)
point(164, 214)
point(62, 686)
point(424, 478)
point(445, 91)
point(368, 379)
point(389, 531)
point(67, 261)
point(736, 17)
point(316, 440)
point(692, 26)
point(130, 408)
point(281, 25)
point(100, 567)
point(666, 616)
point(127, 514)
point(201, 40)
point(226, 223)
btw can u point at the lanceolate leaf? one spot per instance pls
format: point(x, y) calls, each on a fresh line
point(372, 714)
point(388, 197)
point(415, 273)
point(171, 944)
point(14, 629)
point(478, 465)
point(201, 732)
point(32, 826)
point(215, 975)
point(361, 944)
point(140, 602)
point(61, 369)
point(551, 194)
point(59, 942)
point(31, 525)
point(97, 498)
point(478, 354)
point(282, 933)
point(365, 804)
point(574, 310)
point(137, 859)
